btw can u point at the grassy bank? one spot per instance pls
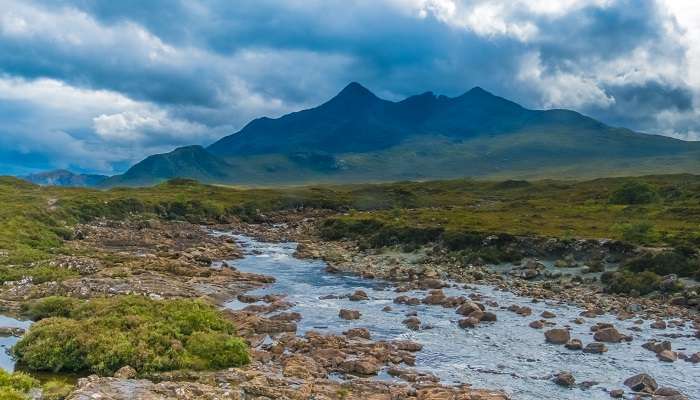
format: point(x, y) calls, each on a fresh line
point(34, 220)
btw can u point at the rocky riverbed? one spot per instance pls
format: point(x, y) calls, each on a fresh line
point(331, 321)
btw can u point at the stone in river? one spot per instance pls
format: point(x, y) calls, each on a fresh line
point(359, 295)
point(537, 324)
point(595, 348)
point(565, 379)
point(642, 383)
point(412, 323)
point(357, 332)
point(469, 322)
point(349, 314)
point(548, 314)
point(608, 335)
point(667, 356)
point(557, 336)
point(658, 324)
point(574, 344)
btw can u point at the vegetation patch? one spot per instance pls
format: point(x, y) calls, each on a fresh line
point(16, 386)
point(103, 335)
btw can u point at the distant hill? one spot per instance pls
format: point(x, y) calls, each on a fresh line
point(357, 136)
point(191, 162)
point(62, 177)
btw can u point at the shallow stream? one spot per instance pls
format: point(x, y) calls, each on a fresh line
point(505, 355)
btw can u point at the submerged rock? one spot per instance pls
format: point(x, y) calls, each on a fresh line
point(642, 383)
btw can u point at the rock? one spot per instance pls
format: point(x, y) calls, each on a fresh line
point(667, 356)
point(469, 322)
point(595, 348)
point(695, 358)
point(658, 324)
point(574, 344)
point(537, 324)
point(657, 347)
point(469, 307)
point(565, 379)
point(349, 314)
point(408, 345)
point(125, 372)
point(412, 323)
point(489, 317)
point(359, 295)
point(617, 393)
point(608, 335)
point(642, 383)
point(387, 309)
point(6, 331)
point(557, 336)
point(435, 297)
point(363, 366)
point(548, 314)
point(357, 332)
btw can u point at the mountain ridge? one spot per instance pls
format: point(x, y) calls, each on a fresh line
point(357, 136)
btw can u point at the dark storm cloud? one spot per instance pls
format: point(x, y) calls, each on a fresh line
point(210, 66)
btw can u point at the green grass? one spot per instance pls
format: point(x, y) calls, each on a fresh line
point(16, 386)
point(35, 220)
point(102, 335)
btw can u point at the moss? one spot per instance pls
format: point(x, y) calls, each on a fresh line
point(665, 263)
point(102, 335)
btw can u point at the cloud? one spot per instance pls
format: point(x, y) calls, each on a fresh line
point(120, 80)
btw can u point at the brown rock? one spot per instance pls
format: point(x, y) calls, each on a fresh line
point(574, 344)
point(658, 324)
point(642, 383)
point(349, 314)
point(537, 324)
point(357, 332)
point(359, 295)
point(412, 323)
point(617, 393)
point(608, 335)
point(548, 314)
point(557, 336)
point(667, 356)
point(565, 379)
point(469, 322)
point(125, 372)
point(595, 348)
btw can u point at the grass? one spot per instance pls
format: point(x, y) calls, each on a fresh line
point(34, 220)
point(103, 335)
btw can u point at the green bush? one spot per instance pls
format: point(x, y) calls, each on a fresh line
point(102, 335)
point(16, 386)
point(638, 233)
point(634, 193)
point(665, 263)
point(631, 283)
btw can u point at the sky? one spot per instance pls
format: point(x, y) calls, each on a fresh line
point(95, 86)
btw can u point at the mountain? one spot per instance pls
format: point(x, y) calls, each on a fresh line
point(62, 177)
point(191, 162)
point(357, 136)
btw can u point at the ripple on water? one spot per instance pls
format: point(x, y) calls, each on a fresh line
point(506, 355)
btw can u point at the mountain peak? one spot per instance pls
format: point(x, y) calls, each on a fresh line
point(355, 90)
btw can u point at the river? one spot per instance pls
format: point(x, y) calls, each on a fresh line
point(506, 355)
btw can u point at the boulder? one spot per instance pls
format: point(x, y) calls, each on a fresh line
point(469, 307)
point(657, 347)
point(642, 383)
point(469, 322)
point(359, 295)
point(357, 332)
point(658, 324)
point(548, 314)
point(617, 393)
point(536, 324)
point(349, 314)
point(565, 379)
point(608, 335)
point(574, 344)
point(557, 336)
point(489, 317)
point(667, 356)
point(595, 348)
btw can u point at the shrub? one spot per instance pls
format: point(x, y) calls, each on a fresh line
point(632, 283)
point(665, 263)
point(102, 335)
point(639, 233)
point(634, 193)
point(15, 386)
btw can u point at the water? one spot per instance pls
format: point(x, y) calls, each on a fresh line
point(505, 355)
point(6, 361)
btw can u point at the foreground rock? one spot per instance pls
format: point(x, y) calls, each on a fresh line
point(642, 383)
point(557, 336)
